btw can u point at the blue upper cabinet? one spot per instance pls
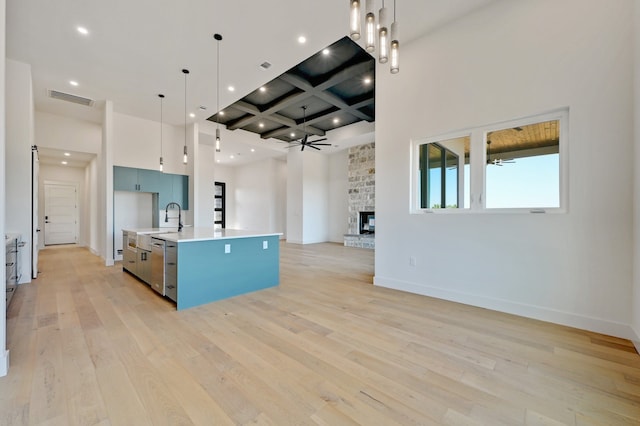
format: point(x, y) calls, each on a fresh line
point(125, 179)
point(169, 187)
point(180, 185)
point(150, 181)
point(166, 195)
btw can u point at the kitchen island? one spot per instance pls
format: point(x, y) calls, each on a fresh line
point(208, 265)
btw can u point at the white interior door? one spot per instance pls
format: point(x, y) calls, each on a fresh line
point(35, 230)
point(61, 214)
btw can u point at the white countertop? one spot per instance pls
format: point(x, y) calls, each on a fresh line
point(201, 234)
point(144, 231)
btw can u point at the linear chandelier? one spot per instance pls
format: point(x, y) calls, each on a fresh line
point(388, 44)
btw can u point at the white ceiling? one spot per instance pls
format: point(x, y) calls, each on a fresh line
point(137, 49)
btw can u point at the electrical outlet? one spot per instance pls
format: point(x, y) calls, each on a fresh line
point(227, 248)
point(265, 245)
point(412, 261)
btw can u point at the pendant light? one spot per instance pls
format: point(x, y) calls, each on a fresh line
point(383, 35)
point(370, 27)
point(354, 20)
point(395, 44)
point(388, 41)
point(185, 157)
point(161, 96)
point(218, 37)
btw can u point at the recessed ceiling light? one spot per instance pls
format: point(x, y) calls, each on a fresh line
point(326, 52)
point(221, 113)
point(67, 154)
point(367, 80)
point(192, 115)
point(82, 30)
point(253, 150)
point(231, 88)
point(64, 162)
point(261, 125)
point(73, 82)
point(263, 89)
point(218, 160)
point(293, 135)
point(336, 120)
point(232, 157)
point(302, 39)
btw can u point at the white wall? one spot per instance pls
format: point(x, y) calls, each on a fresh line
point(4, 353)
point(66, 175)
point(295, 189)
point(635, 320)
point(65, 133)
point(338, 205)
point(19, 139)
point(259, 204)
point(91, 201)
point(137, 144)
point(315, 198)
point(510, 60)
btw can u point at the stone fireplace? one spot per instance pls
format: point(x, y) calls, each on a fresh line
point(362, 197)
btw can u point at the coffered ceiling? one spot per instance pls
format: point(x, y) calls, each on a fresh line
point(332, 88)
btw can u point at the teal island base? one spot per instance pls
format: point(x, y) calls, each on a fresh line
point(215, 269)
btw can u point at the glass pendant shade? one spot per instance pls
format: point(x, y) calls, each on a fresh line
point(217, 140)
point(383, 37)
point(354, 20)
point(395, 49)
point(161, 164)
point(185, 157)
point(370, 28)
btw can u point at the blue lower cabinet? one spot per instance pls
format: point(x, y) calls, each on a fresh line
point(207, 273)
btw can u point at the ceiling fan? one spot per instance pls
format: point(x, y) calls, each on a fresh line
point(304, 142)
point(497, 161)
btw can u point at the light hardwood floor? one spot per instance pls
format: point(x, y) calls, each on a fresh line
point(92, 345)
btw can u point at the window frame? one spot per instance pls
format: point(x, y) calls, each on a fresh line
point(478, 161)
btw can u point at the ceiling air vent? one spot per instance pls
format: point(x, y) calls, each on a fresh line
point(70, 98)
point(265, 65)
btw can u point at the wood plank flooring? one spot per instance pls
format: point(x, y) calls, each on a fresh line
point(91, 345)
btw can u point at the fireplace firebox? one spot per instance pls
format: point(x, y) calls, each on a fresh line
point(367, 222)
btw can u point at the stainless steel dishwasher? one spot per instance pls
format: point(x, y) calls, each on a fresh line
point(157, 265)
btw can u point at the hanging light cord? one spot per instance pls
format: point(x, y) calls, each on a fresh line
point(218, 86)
point(185, 71)
point(161, 96)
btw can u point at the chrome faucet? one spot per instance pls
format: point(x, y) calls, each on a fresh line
point(166, 214)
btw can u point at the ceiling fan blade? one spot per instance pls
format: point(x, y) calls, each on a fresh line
point(323, 144)
point(318, 140)
point(303, 145)
point(314, 147)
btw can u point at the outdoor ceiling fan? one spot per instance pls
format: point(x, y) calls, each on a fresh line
point(304, 142)
point(497, 161)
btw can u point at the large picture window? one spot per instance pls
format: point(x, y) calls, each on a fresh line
point(515, 165)
point(443, 174)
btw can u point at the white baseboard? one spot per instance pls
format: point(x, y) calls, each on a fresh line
point(597, 325)
point(4, 364)
point(635, 339)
